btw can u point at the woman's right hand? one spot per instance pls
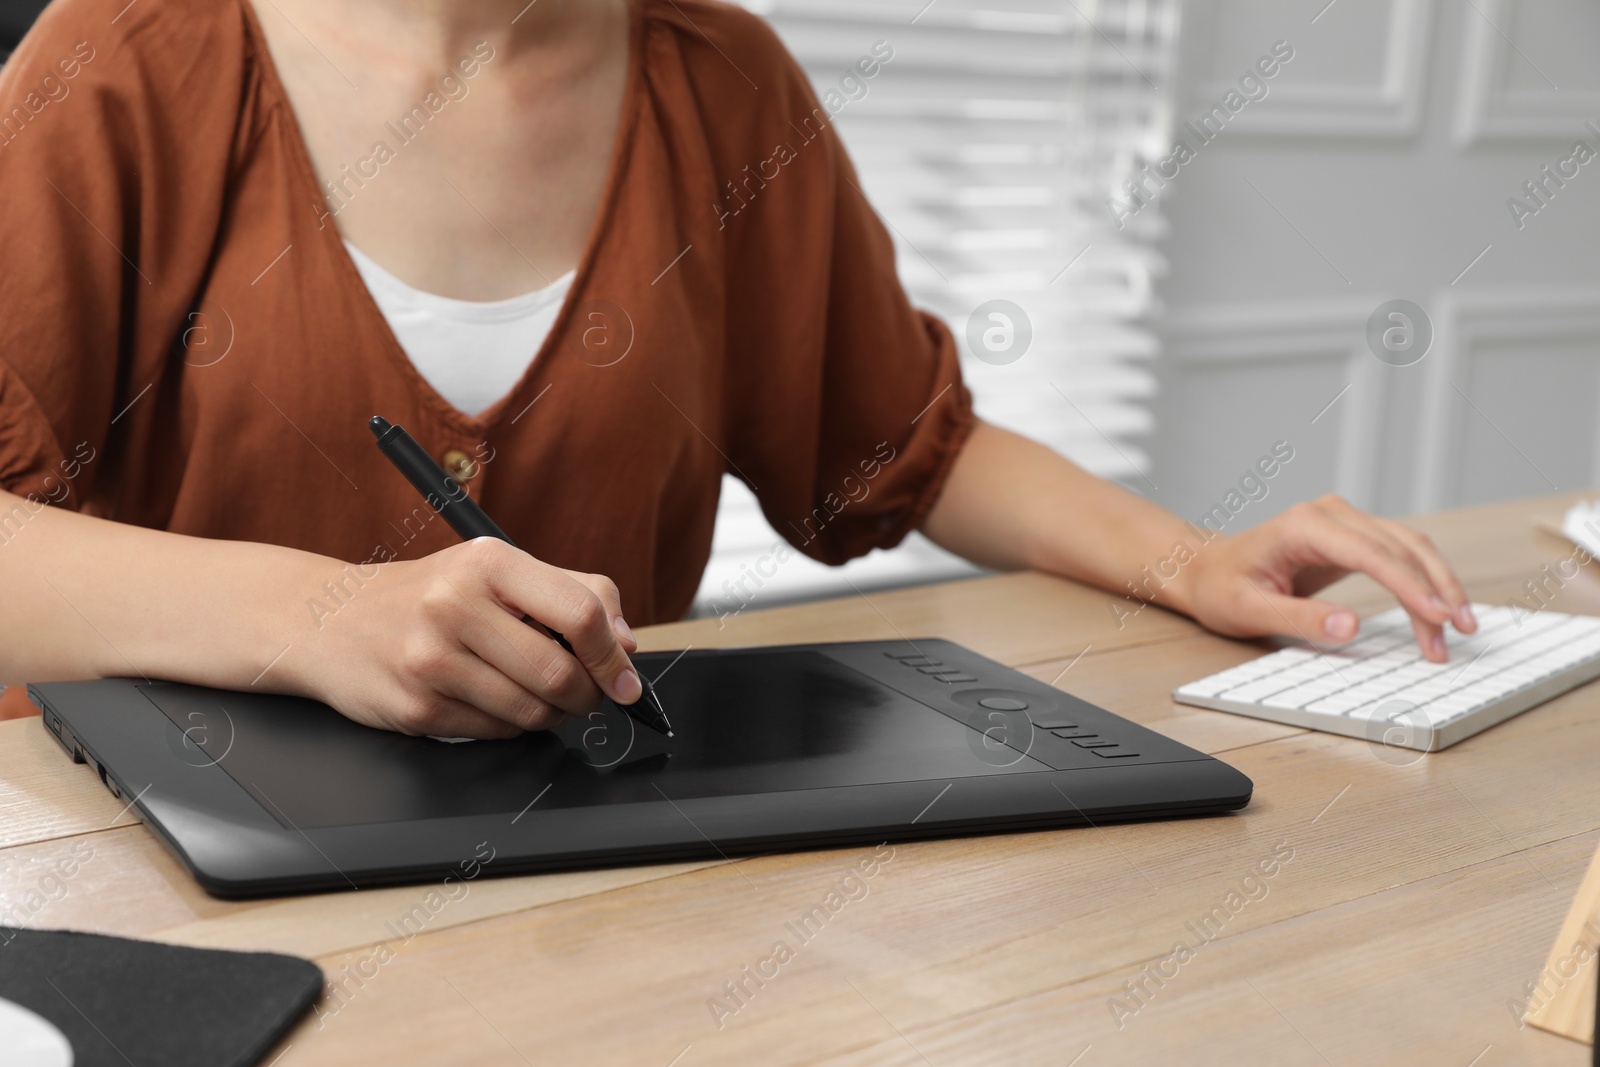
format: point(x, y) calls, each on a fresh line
point(438, 646)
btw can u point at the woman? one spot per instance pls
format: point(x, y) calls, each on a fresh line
point(592, 254)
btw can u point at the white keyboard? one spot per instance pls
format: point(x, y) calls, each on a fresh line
point(1379, 687)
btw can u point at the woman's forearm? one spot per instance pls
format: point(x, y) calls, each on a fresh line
point(82, 597)
point(1012, 503)
point(430, 646)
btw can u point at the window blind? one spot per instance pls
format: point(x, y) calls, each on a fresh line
point(997, 144)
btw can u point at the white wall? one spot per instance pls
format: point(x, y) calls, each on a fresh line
point(1378, 167)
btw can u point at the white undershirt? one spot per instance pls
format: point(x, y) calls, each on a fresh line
point(472, 352)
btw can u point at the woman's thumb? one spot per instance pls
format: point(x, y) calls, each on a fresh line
point(1311, 620)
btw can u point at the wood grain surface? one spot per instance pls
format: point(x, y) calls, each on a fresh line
point(1413, 899)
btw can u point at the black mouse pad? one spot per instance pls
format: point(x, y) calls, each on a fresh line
point(120, 1001)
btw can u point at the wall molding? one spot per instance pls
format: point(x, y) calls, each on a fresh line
point(1295, 331)
point(1486, 111)
point(1463, 318)
point(1391, 107)
point(1237, 331)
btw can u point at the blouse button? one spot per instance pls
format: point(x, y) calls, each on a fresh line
point(460, 465)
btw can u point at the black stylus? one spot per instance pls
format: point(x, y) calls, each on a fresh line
point(446, 496)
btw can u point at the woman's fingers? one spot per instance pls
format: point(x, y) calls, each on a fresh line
point(449, 645)
point(442, 715)
point(555, 598)
point(1266, 611)
point(1430, 638)
point(1367, 526)
point(611, 597)
point(1429, 634)
point(469, 622)
point(1330, 534)
point(1448, 594)
point(1444, 578)
point(484, 686)
point(538, 667)
point(583, 619)
point(475, 645)
point(1361, 548)
point(1323, 624)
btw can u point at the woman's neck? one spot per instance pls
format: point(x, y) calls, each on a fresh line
point(440, 31)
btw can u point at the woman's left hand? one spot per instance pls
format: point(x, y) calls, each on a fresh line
point(1011, 503)
point(1259, 582)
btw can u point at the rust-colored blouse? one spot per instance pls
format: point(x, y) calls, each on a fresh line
point(185, 343)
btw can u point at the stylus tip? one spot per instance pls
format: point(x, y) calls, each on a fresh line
point(671, 734)
point(379, 425)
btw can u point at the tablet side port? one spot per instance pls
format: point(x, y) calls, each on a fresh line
point(63, 735)
point(106, 779)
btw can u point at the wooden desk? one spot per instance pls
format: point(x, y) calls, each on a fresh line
point(1420, 897)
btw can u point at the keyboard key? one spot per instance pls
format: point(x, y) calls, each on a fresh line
point(1308, 672)
point(1412, 672)
point(1383, 673)
point(1251, 692)
point(1360, 672)
point(1264, 666)
point(1363, 647)
point(1452, 705)
point(1423, 692)
point(1334, 705)
point(1300, 695)
point(1522, 674)
point(1402, 713)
